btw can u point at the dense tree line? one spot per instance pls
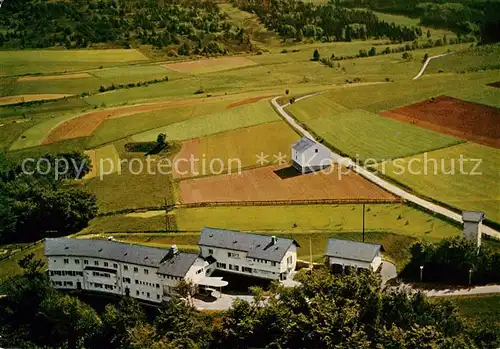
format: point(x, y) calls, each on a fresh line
point(325, 312)
point(462, 16)
point(453, 261)
point(35, 200)
point(79, 23)
point(295, 20)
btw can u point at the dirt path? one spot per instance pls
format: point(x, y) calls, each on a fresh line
point(427, 63)
point(374, 178)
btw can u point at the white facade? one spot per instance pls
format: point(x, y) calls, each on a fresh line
point(473, 226)
point(238, 262)
point(143, 282)
point(374, 265)
point(309, 155)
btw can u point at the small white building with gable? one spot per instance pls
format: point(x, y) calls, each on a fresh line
point(146, 273)
point(342, 254)
point(261, 256)
point(473, 226)
point(310, 156)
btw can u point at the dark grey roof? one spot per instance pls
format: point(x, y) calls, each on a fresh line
point(303, 144)
point(178, 265)
point(256, 246)
point(359, 251)
point(472, 216)
point(113, 250)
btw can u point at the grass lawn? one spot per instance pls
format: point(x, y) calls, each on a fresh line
point(474, 59)
point(51, 61)
point(239, 145)
point(77, 144)
point(365, 135)
point(248, 115)
point(132, 73)
point(104, 160)
point(396, 218)
point(478, 309)
point(10, 267)
point(464, 191)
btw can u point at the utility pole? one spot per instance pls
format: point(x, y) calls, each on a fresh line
point(166, 216)
point(363, 222)
point(310, 254)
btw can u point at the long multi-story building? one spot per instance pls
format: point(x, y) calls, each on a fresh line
point(145, 273)
point(153, 274)
point(254, 255)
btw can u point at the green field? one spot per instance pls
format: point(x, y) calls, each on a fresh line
point(478, 309)
point(52, 61)
point(465, 189)
point(10, 267)
point(244, 116)
point(352, 133)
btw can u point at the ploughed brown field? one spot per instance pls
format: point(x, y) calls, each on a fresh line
point(471, 121)
point(277, 183)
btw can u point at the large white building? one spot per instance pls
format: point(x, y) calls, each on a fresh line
point(261, 256)
point(146, 273)
point(310, 156)
point(345, 255)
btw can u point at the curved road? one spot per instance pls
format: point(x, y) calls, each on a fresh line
point(429, 59)
point(374, 178)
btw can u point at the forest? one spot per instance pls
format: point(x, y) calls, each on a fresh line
point(324, 312)
point(479, 17)
point(296, 20)
point(198, 26)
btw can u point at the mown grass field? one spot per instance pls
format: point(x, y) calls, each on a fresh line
point(51, 61)
point(240, 145)
point(10, 267)
point(244, 116)
point(465, 189)
point(352, 132)
point(104, 160)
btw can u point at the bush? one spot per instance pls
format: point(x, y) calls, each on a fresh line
point(316, 56)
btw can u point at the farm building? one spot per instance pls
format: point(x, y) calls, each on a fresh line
point(310, 156)
point(344, 255)
point(254, 255)
point(146, 273)
point(473, 225)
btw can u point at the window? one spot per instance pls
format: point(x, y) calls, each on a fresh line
point(108, 287)
point(137, 292)
point(246, 270)
point(126, 280)
point(136, 269)
point(157, 285)
point(105, 264)
point(148, 295)
point(233, 255)
point(66, 260)
point(77, 261)
point(157, 296)
point(316, 150)
point(137, 282)
point(96, 263)
point(68, 283)
point(210, 251)
point(199, 271)
point(96, 285)
point(221, 265)
point(115, 265)
point(125, 267)
point(146, 271)
point(273, 264)
point(85, 262)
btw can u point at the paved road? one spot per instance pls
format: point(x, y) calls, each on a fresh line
point(374, 178)
point(464, 292)
point(427, 63)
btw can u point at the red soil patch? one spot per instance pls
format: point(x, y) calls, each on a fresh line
point(471, 121)
point(264, 184)
point(247, 101)
point(85, 125)
point(495, 84)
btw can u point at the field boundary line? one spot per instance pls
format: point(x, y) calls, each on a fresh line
point(392, 188)
point(426, 63)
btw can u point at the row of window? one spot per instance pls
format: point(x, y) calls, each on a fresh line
point(98, 274)
point(172, 277)
point(147, 294)
point(106, 264)
point(244, 269)
point(139, 282)
point(66, 273)
point(62, 283)
point(99, 285)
